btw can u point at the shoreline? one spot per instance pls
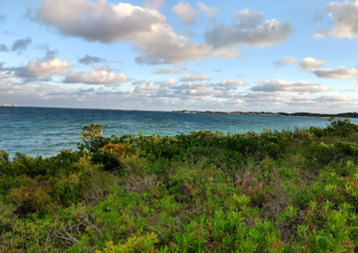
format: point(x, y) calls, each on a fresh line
point(353, 115)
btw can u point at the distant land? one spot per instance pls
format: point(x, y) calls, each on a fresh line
point(302, 114)
point(7, 105)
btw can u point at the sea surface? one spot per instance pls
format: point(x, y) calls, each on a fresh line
point(36, 131)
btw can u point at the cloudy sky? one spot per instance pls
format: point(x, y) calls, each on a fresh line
point(258, 55)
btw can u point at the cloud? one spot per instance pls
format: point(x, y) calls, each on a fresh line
point(210, 11)
point(50, 54)
point(344, 17)
point(286, 61)
point(21, 44)
point(169, 71)
point(44, 68)
point(333, 100)
point(5, 74)
point(340, 72)
point(194, 77)
point(231, 83)
point(153, 4)
point(88, 59)
point(148, 89)
point(18, 45)
point(3, 48)
point(96, 77)
point(197, 90)
point(301, 87)
point(201, 92)
point(309, 62)
point(168, 83)
point(146, 29)
point(186, 13)
point(250, 31)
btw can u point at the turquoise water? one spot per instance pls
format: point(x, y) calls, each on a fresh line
point(46, 131)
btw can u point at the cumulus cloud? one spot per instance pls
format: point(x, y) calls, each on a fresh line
point(186, 13)
point(201, 92)
point(169, 71)
point(96, 77)
point(210, 11)
point(252, 30)
point(45, 94)
point(337, 101)
point(88, 59)
point(309, 62)
point(36, 68)
point(21, 44)
point(147, 89)
point(340, 72)
point(5, 74)
point(168, 83)
point(194, 77)
point(231, 83)
point(197, 90)
point(344, 17)
point(146, 29)
point(277, 85)
point(285, 61)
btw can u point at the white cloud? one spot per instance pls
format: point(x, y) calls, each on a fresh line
point(169, 71)
point(210, 11)
point(231, 83)
point(340, 72)
point(301, 87)
point(201, 96)
point(201, 92)
point(250, 31)
point(146, 29)
point(6, 75)
point(285, 61)
point(309, 62)
point(333, 101)
point(168, 83)
point(198, 90)
point(186, 13)
point(344, 15)
point(96, 77)
point(194, 77)
point(148, 89)
point(44, 68)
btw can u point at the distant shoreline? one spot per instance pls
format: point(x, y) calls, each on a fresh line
point(301, 114)
point(353, 115)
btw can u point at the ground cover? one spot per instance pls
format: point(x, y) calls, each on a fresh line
point(278, 191)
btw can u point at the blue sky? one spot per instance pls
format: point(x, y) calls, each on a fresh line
point(298, 55)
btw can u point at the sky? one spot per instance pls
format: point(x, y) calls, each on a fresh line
point(258, 55)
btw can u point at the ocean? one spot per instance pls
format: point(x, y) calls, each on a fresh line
point(36, 131)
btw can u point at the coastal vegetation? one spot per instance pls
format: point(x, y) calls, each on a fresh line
point(277, 191)
point(301, 114)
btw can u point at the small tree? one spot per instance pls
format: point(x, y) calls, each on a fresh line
point(92, 137)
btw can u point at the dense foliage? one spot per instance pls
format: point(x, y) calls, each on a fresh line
point(278, 191)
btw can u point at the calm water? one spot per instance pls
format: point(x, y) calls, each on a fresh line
point(46, 131)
